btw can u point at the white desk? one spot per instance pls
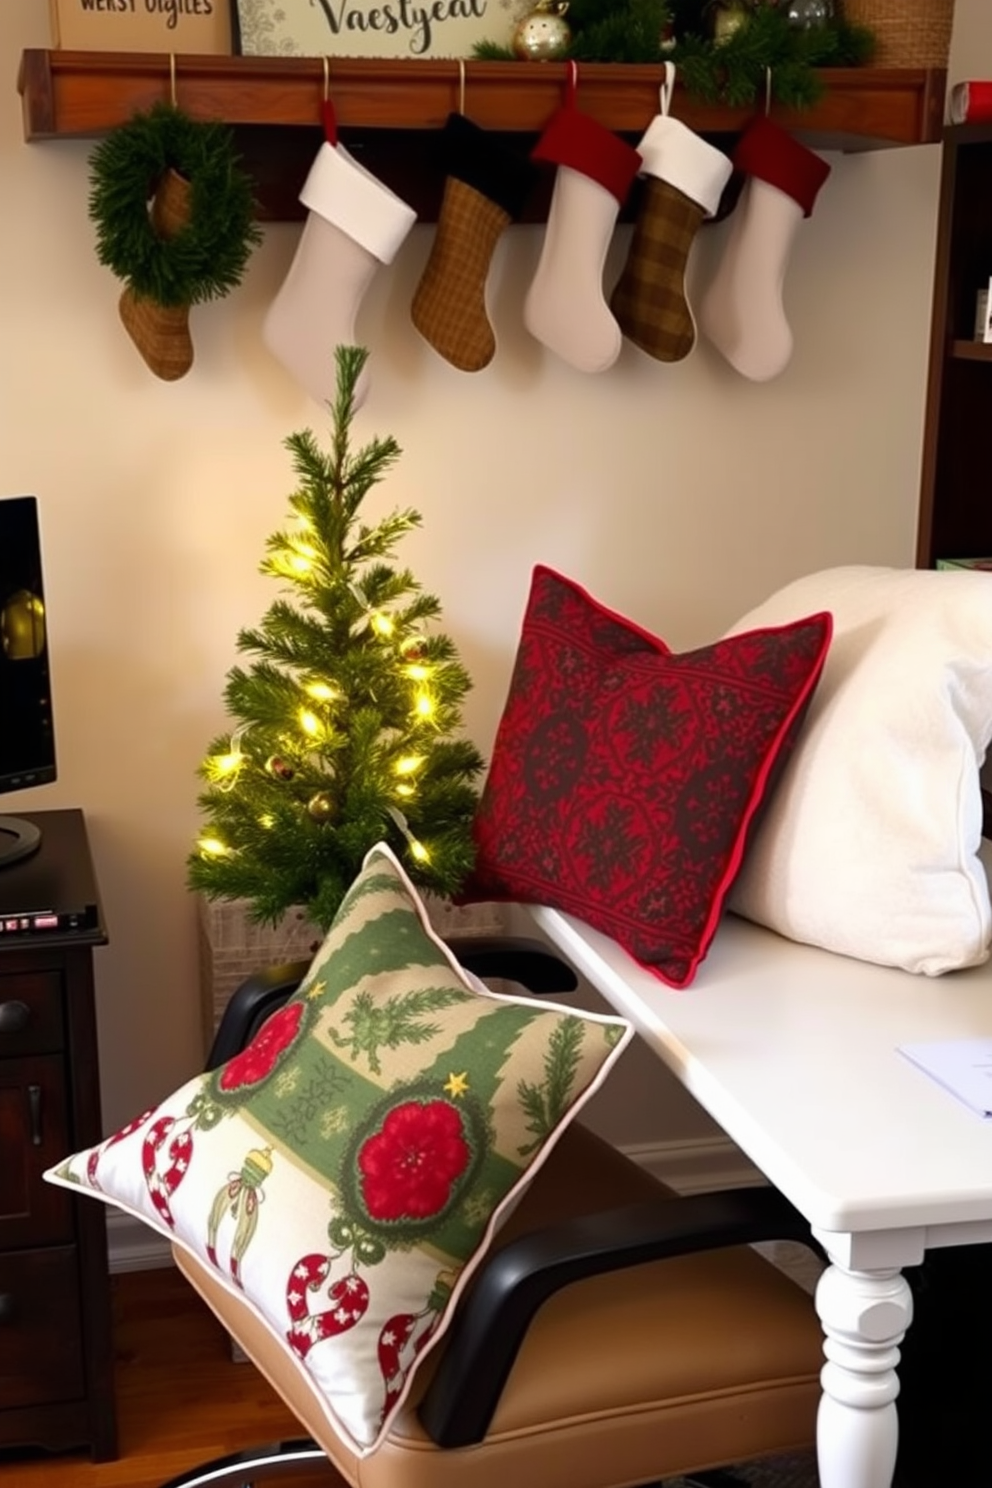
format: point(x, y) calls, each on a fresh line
point(793, 1051)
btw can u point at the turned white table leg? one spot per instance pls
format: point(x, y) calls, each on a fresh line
point(864, 1316)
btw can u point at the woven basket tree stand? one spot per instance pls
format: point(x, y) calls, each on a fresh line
point(161, 332)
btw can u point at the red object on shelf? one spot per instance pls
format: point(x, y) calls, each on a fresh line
point(971, 103)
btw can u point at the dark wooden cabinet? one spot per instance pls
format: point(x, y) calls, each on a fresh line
point(56, 1363)
point(955, 515)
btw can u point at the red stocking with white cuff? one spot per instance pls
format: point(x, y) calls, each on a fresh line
point(741, 312)
point(565, 307)
point(354, 224)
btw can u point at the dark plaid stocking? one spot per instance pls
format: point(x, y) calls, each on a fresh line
point(685, 180)
point(485, 187)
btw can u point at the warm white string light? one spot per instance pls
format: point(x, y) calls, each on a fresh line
point(321, 692)
point(225, 768)
point(417, 848)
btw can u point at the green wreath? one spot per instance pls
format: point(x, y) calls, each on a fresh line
point(206, 258)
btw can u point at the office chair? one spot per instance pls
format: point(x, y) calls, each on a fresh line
point(616, 1335)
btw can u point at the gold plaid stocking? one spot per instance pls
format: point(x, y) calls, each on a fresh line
point(486, 184)
point(449, 307)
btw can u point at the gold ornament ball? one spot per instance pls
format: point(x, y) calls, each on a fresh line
point(320, 807)
point(729, 18)
point(543, 34)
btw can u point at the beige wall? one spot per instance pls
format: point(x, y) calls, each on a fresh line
point(680, 495)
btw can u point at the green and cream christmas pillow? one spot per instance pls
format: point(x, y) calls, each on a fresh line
point(344, 1174)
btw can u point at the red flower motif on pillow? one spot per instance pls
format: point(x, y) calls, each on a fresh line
point(410, 1165)
point(625, 778)
point(265, 1050)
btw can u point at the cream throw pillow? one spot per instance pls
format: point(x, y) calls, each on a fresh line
point(869, 846)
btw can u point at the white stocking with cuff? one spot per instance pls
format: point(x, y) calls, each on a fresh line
point(354, 224)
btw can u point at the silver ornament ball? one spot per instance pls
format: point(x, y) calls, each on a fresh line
point(809, 15)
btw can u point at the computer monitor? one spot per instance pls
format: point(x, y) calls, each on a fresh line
point(27, 730)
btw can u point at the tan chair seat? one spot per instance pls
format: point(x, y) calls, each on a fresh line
point(624, 1378)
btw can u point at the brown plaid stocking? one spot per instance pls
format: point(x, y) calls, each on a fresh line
point(484, 189)
point(649, 300)
point(449, 307)
point(685, 179)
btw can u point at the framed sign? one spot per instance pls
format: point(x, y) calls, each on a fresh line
point(370, 28)
point(202, 26)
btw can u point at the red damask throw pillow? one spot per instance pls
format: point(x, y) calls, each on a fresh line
point(625, 777)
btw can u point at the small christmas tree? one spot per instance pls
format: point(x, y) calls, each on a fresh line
point(347, 709)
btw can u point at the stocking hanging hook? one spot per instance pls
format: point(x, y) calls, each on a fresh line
point(328, 117)
point(571, 82)
point(665, 91)
point(461, 85)
point(768, 91)
point(172, 79)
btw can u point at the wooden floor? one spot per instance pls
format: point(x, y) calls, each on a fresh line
point(181, 1399)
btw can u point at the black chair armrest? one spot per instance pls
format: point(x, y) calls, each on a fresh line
point(512, 958)
point(492, 1319)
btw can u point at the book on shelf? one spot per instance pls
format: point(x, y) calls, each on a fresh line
point(977, 563)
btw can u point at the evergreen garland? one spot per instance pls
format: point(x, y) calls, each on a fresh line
point(732, 71)
point(628, 32)
point(735, 71)
point(207, 257)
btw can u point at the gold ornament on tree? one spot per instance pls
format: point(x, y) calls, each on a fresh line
point(543, 34)
point(320, 807)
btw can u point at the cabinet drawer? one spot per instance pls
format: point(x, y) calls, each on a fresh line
point(41, 1357)
point(33, 1137)
point(30, 1013)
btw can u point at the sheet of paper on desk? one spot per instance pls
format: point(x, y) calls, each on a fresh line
point(962, 1066)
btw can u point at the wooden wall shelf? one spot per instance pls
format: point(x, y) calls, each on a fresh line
point(972, 351)
point(85, 94)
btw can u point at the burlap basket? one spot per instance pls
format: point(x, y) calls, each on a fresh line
point(908, 33)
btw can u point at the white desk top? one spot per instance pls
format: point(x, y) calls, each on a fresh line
point(793, 1051)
